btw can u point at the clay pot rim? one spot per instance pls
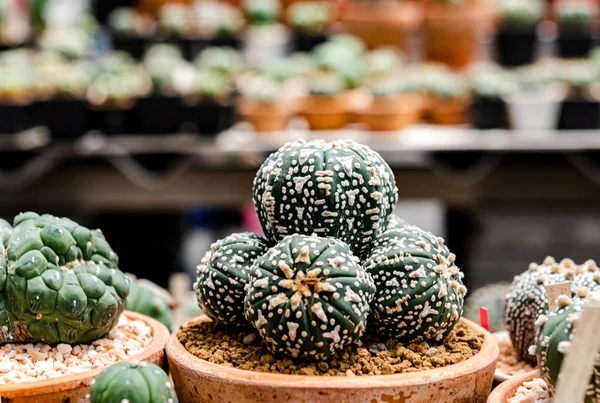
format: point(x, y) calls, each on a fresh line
point(177, 353)
point(160, 337)
point(511, 385)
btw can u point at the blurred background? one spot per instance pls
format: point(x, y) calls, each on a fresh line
point(150, 118)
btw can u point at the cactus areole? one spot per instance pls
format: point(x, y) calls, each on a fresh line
point(59, 282)
point(340, 189)
point(527, 299)
point(223, 275)
point(132, 382)
point(308, 297)
point(420, 293)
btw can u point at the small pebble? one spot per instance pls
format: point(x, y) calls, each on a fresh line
point(249, 339)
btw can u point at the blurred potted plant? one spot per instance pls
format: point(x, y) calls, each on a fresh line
point(449, 97)
point(310, 21)
point(16, 91)
point(452, 29)
point(536, 103)
point(576, 28)
point(229, 24)
point(263, 106)
point(325, 106)
point(517, 34)
point(581, 107)
point(397, 103)
point(490, 84)
point(383, 62)
point(266, 39)
point(129, 31)
point(382, 22)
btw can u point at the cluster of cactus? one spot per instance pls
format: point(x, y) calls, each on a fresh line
point(554, 335)
point(132, 382)
point(527, 299)
point(59, 282)
point(324, 207)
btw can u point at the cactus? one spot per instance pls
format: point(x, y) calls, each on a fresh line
point(340, 189)
point(261, 12)
point(326, 84)
point(221, 59)
point(420, 293)
point(132, 382)
point(576, 13)
point(308, 297)
point(395, 222)
point(59, 283)
point(310, 17)
point(491, 297)
point(149, 299)
point(383, 62)
point(554, 335)
point(518, 13)
point(223, 274)
point(526, 299)
point(491, 81)
point(342, 54)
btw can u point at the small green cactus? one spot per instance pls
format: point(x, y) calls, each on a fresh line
point(491, 297)
point(223, 274)
point(493, 82)
point(132, 382)
point(343, 54)
point(229, 21)
point(383, 62)
point(521, 13)
point(326, 84)
point(223, 60)
point(395, 222)
point(60, 281)
point(420, 293)
point(576, 13)
point(308, 297)
point(310, 17)
point(149, 299)
point(527, 299)
point(174, 19)
point(554, 334)
point(261, 12)
point(123, 20)
point(340, 189)
point(213, 85)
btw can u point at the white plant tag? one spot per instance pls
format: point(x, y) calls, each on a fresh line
point(578, 364)
point(553, 291)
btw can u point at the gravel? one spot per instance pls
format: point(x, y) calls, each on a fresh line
point(35, 362)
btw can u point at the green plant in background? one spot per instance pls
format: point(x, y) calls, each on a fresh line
point(420, 292)
point(527, 299)
point(576, 13)
point(59, 282)
point(149, 299)
point(174, 19)
point(521, 13)
point(491, 297)
point(161, 61)
point(310, 17)
point(326, 84)
point(261, 12)
point(383, 62)
point(133, 382)
point(308, 297)
point(343, 54)
point(341, 189)
point(578, 75)
point(223, 274)
point(443, 83)
point(391, 85)
point(213, 85)
point(122, 20)
point(263, 88)
point(491, 81)
point(229, 21)
point(222, 59)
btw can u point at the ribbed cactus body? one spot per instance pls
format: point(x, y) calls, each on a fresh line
point(223, 274)
point(132, 382)
point(308, 297)
point(420, 293)
point(145, 300)
point(340, 189)
point(527, 299)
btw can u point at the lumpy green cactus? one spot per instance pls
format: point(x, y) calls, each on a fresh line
point(420, 292)
point(308, 297)
point(59, 282)
point(149, 299)
point(554, 335)
point(340, 189)
point(395, 222)
point(132, 382)
point(223, 274)
point(527, 299)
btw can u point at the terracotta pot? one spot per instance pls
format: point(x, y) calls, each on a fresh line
point(449, 112)
point(452, 32)
point(387, 23)
point(507, 389)
point(325, 112)
point(153, 6)
point(265, 117)
point(74, 388)
point(200, 381)
point(392, 113)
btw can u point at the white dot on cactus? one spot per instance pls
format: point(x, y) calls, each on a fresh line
point(564, 347)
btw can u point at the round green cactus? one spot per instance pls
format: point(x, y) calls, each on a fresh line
point(554, 335)
point(148, 299)
point(62, 283)
point(133, 382)
point(340, 189)
point(395, 222)
point(223, 274)
point(308, 297)
point(420, 293)
point(527, 299)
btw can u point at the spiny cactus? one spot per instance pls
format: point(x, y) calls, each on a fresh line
point(132, 382)
point(59, 282)
point(308, 297)
point(491, 297)
point(554, 335)
point(527, 299)
point(420, 292)
point(340, 189)
point(223, 274)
